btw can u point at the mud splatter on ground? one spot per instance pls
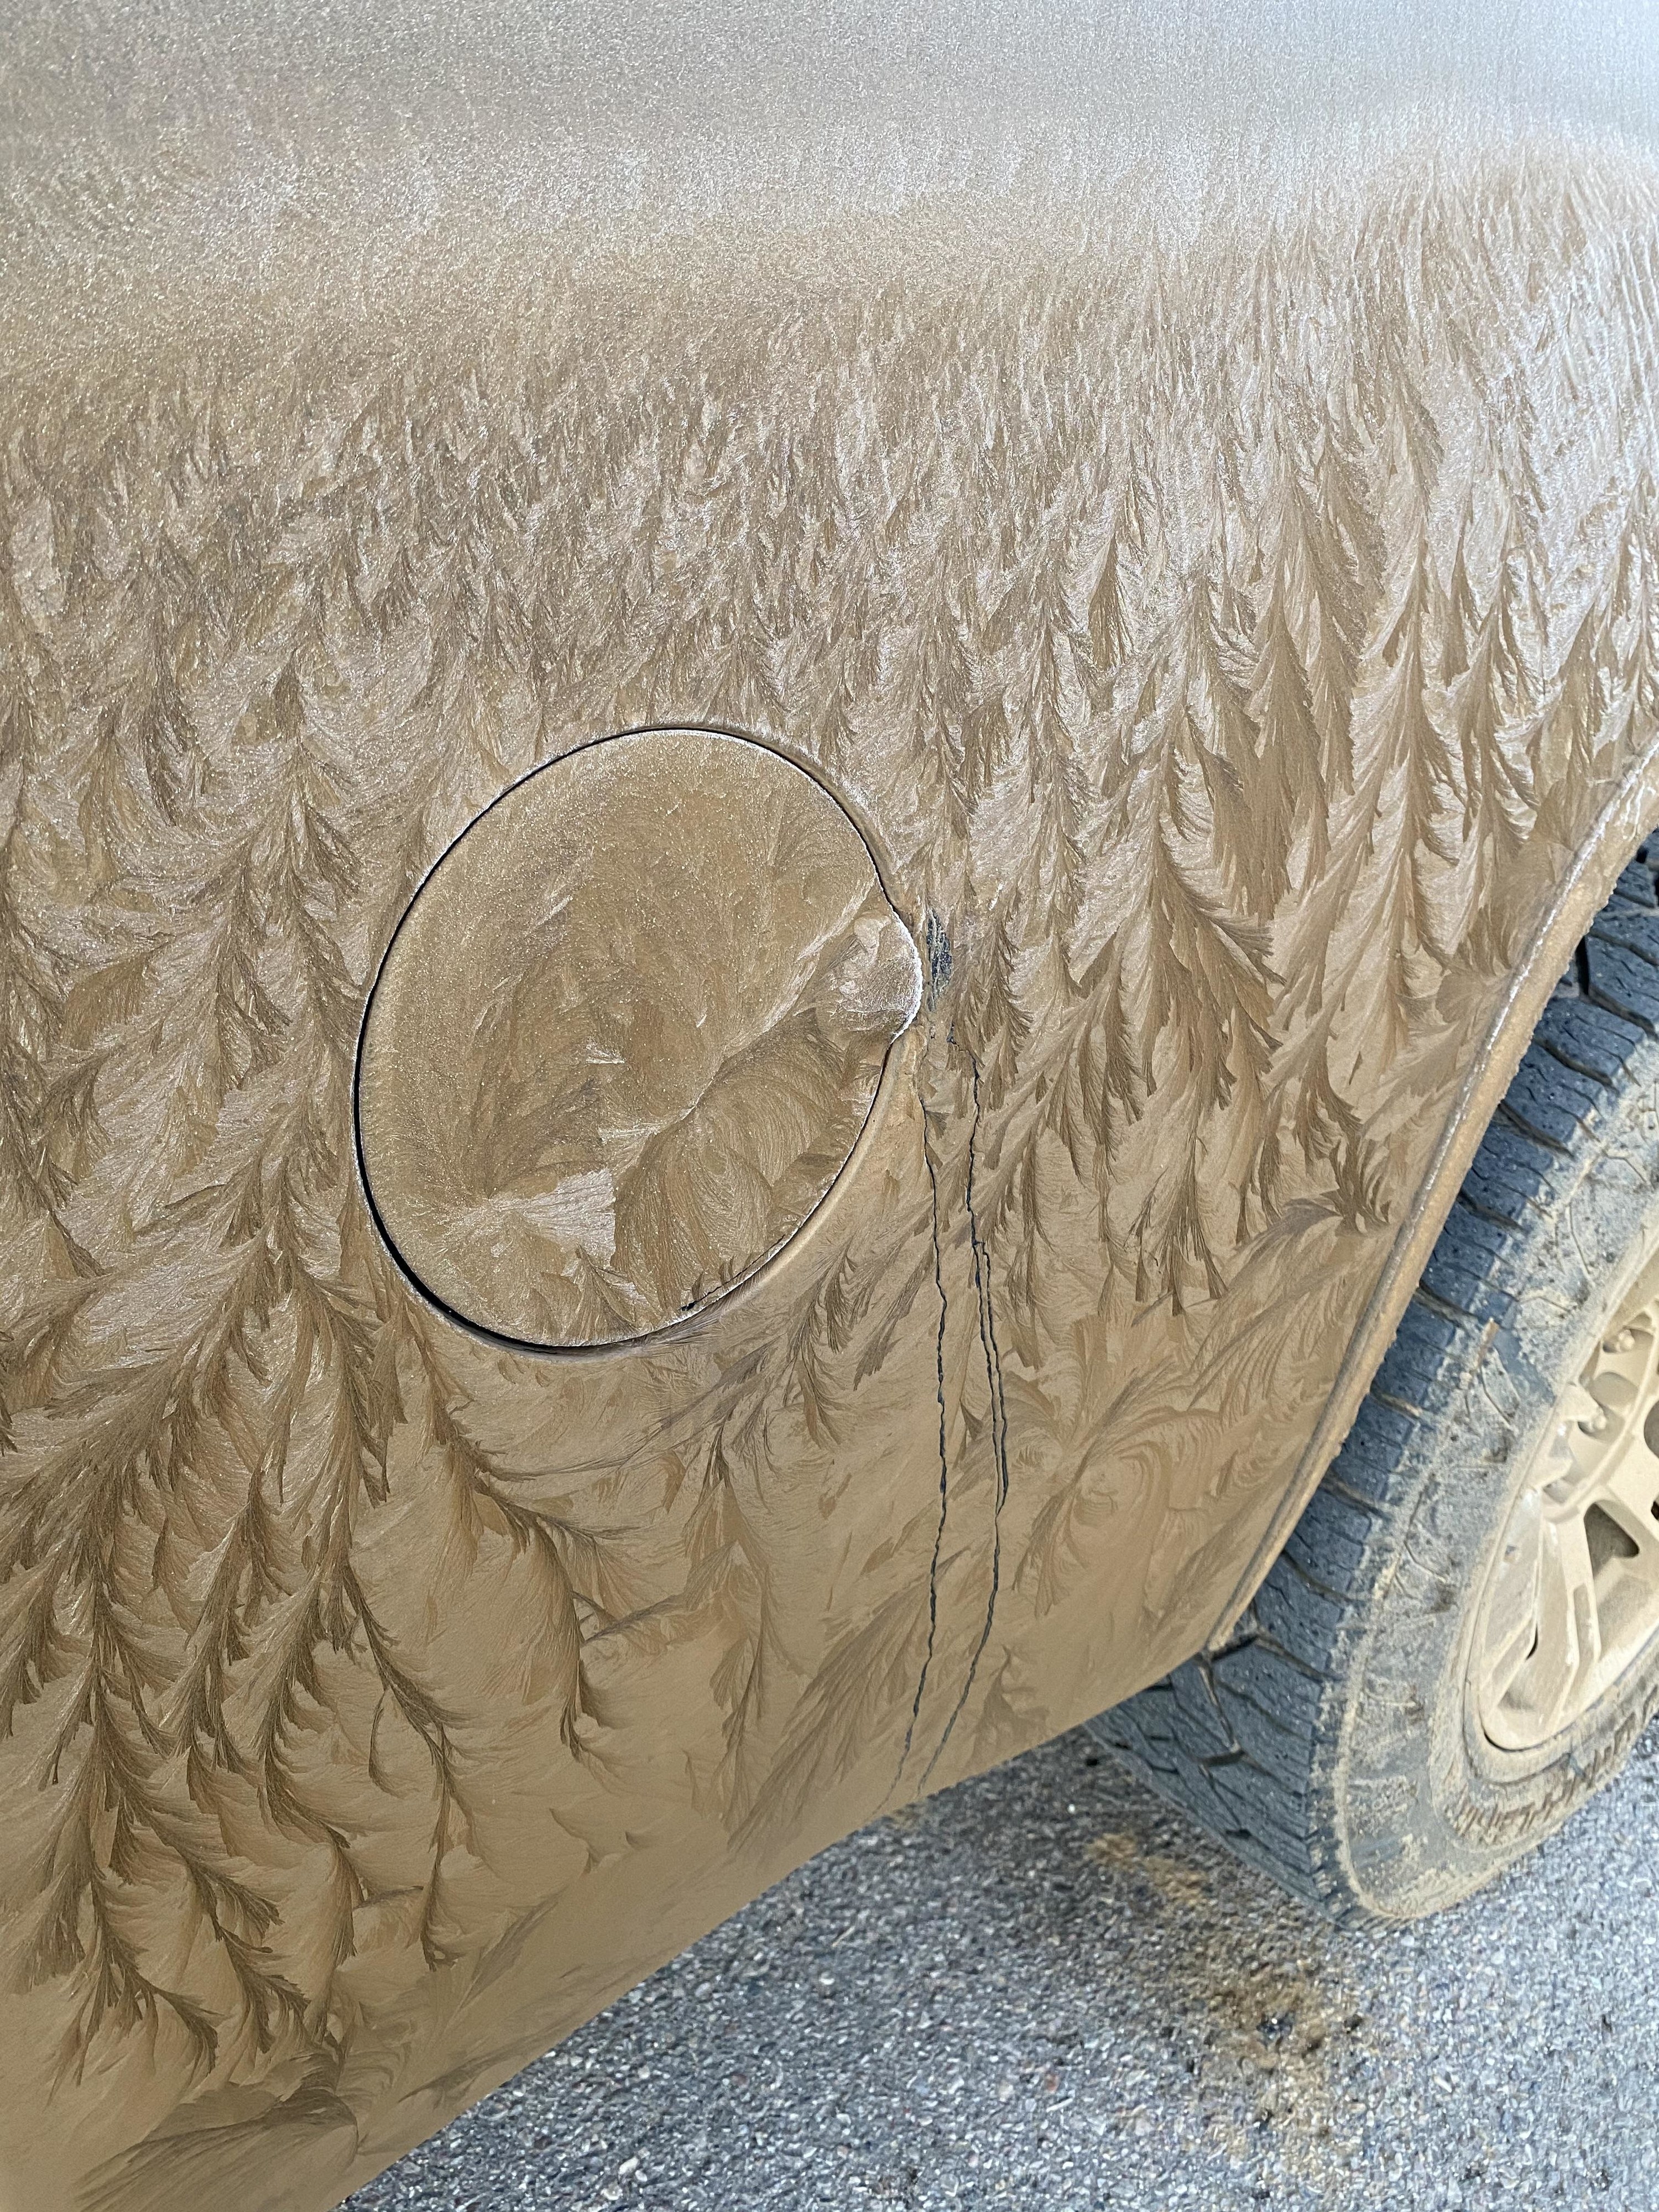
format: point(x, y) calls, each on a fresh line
point(1044, 1990)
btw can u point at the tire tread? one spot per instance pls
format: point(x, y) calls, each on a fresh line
point(1235, 1737)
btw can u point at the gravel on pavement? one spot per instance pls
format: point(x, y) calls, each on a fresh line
point(1043, 1989)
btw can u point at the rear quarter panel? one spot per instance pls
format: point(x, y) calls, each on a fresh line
point(1222, 583)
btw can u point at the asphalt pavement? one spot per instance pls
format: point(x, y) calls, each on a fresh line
point(1043, 1989)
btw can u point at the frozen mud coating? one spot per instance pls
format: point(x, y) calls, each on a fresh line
point(1208, 538)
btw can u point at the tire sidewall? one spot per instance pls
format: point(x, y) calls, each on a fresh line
point(1428, 1807)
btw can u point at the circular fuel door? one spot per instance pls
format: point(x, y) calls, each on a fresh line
point(625, 1037)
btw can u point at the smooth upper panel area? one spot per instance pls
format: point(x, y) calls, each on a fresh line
point(231, 143)
point(626, 68)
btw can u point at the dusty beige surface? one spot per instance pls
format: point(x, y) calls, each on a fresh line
point(1229, 604)
point(626, 1037)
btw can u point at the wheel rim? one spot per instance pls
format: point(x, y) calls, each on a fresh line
point(1572, 1599)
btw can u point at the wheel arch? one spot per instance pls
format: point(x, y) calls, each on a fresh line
point(1631, 814)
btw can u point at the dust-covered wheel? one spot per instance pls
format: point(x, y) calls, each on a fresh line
point(1460, 1640)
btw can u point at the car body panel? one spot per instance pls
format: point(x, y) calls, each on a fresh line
point(1200, 529)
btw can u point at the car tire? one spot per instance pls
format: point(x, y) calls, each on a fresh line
point(1358, 1736)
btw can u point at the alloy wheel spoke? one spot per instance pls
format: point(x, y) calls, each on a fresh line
point(1573, 1596)
point(1512, 1611)
point(1630, 1491)
point(1569, 1626)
